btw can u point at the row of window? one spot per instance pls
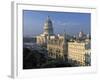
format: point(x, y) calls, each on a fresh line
point(76, 47)
point(76, 51)
point(56, 55)
point(79, 58)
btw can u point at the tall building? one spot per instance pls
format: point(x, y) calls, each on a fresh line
point(48, 27)
point(57, 47)
point(48, 31)
point(55, 44)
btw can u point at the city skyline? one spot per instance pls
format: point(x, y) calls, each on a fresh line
point(71, 22)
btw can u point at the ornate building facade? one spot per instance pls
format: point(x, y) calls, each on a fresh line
point(48, 31)
point(58, 47)
point(62, 47)
point(77, 52)
point(55, 44)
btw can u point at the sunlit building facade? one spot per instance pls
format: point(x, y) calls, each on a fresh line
point(48, 31)
point(63, 47)
point(77, 52)
point(57, 47)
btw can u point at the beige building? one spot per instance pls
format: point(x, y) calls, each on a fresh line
point(57, 47)
point(77, 51)
point(42, 40)
point(55, 44)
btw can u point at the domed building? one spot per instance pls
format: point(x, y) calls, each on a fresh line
point(48, 31)
point(81, 34)
point(55, 44)
point(48, 27)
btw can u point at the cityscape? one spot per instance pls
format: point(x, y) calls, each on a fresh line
point(56, 39)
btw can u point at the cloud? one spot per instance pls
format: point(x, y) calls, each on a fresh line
point(68, 24)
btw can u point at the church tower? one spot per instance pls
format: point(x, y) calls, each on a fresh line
point(48, 27)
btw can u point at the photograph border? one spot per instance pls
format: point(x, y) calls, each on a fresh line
point(16, 57)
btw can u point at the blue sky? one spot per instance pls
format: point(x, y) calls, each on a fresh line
point(71, 22)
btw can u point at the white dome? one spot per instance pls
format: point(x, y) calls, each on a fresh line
point(48, 29)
